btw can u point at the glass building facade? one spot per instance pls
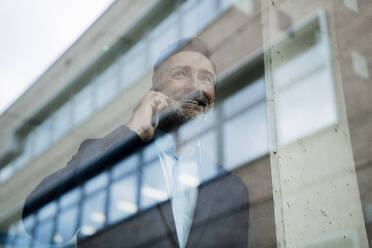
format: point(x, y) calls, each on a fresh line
point(290, 120)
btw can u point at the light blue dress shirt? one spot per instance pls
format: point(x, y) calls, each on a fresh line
point(182, 177)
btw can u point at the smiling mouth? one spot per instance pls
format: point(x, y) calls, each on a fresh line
point(203, 102)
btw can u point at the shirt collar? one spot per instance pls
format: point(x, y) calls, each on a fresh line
point(165, 144)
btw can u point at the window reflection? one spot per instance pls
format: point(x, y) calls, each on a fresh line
point(70, 198)
point(83, 105)
point(207, 11)
point(44, 231)
point(203, 123)
point(305, 73)
point(42, 137)
point(209, 169)
point(47, 211)
point(135, 64)
point(123, 201)
point(62, 120)
point(106, 86)
point(66, 225)
point(163, 35)
point(245, 97)
point(153, 189)
point(96, 183)
point(93, 213)
point(245, 136)
point(189, 20)
point(6, 173)
point(125, 166)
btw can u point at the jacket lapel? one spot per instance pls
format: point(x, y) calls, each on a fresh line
point(201, 214)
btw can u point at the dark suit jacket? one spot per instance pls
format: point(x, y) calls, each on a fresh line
point(220, 219)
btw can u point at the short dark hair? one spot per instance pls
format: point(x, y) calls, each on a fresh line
point(194, 45)
point(187, 44)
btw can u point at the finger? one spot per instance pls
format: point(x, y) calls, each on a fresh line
point(161, 106)
point(164, 96)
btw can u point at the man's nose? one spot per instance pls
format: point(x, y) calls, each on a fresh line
point(194, 82)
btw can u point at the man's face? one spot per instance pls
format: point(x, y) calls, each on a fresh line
point(189, 79)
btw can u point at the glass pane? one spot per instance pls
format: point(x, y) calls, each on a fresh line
point(6, 172)
point(125, 166)
point(83, 105)
point(44, 231)
point(153, 188)
point(29, 222)
point(208, 143)
point(62, 121)
point(197, 126)
point(66, 225)
point(47, 211)
point(225, 4)
point(123, 200)
point(106, 86)
point(96, 183)
point(21, 162)
point(189, 21)
point(249, 95)
point(30, 144)
point(245, 137)
point(93, 217)
point(302, 65)
point(135, 64)
point(42, 136)
point(207, 11)
point(299, 114)
point(150, 152)
point(70, 198)
point(163, 36)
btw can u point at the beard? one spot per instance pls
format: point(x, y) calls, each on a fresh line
point(183, 111)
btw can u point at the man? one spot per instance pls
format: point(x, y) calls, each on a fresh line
point(216, 215)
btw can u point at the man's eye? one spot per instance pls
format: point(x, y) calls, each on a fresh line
point(207, 80)
point(179, 74)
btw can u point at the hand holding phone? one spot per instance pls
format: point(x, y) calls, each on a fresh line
point(146, 114)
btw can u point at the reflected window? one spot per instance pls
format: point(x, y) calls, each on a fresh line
point(83, 105)
point(209, 159)
point(163, 35)
point(189, 20)
point(43, 232)
point(225, 4)
point(245, 97)
point(66, 225)
point(150, 152)
point(29, 222)
point(202, 123)
point(106, 85)
point(21, 162)
point(123, 201)
point(125, 166)
point(42, 135)
point(153, 188)
point(70, 198)
point(93, 216)
point(245, 136)
point(206, 12)
point(304, 86)
point(29, 144)
point(135, 64)
point(96, 183)
point(6, 172)
point(62, 121)
point(47, 211)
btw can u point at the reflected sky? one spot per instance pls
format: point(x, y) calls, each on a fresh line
point(34, 39)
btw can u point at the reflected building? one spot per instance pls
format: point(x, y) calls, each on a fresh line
point(286, 78)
